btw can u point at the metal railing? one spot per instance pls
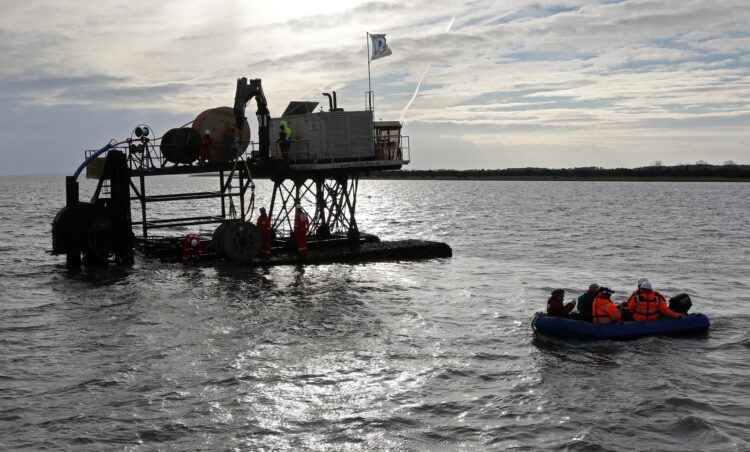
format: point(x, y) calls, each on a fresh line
point(392, 148)
point(384, 148)
point(143, 155)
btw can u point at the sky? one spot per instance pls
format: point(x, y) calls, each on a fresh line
point(504, 84)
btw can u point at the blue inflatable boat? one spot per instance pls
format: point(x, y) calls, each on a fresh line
point(578, 329)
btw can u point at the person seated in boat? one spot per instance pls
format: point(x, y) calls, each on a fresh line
point(586, 301)
point(603, 310)
point(648, 304)
point(556, 306)
point(627, 316)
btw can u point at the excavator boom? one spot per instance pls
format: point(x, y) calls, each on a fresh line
point(245, 92)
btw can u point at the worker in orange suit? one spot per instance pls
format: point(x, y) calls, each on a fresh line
point(603, 310)
point(206, 143)
point(647, 304)
point(264, 226)
point(191, 248)
point(301, 222)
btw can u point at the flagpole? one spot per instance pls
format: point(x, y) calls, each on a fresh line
point(369, 82)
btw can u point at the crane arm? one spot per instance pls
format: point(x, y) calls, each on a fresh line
point(245, 92)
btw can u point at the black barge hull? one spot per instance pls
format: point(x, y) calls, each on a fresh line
point(368, 249)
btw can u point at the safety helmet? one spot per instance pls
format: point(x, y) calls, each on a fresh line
point(207, 132)
point(645, 285)
point(298, 207)
point(642, 280)
point(193, 242)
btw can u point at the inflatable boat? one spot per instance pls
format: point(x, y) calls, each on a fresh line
point(578, 329)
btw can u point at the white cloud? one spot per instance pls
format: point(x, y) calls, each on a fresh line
point(535, 76)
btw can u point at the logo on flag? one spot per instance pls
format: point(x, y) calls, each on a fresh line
point(379, 47)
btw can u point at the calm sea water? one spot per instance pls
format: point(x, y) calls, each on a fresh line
point(433, 355)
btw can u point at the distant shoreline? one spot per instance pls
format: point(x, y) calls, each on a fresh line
point(699, 172)
point(386, 176)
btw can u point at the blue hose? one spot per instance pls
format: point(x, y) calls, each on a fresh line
point(91, 159)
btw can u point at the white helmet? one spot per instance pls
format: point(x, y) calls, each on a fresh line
point(207, 132)
point(646, 285)
point(193, 242)
point(642, 280)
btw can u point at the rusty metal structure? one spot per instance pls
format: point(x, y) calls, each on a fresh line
point(316, 166)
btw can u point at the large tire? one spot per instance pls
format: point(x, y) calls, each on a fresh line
point(217, 239)
point(99, 242)
point(240, 241)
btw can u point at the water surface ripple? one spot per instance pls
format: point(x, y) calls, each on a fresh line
point(434, 355)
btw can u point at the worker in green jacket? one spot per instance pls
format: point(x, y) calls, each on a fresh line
point(285, 137)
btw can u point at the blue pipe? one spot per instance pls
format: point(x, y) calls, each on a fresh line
point(91, 159)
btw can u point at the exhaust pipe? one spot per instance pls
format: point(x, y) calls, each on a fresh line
point(335, 103)
point(330, 101)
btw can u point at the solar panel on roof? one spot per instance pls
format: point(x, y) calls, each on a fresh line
point(300, 108)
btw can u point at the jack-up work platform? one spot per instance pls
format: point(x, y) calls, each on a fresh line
point(314, 164)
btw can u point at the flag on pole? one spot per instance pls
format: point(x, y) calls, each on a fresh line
point(379, 47)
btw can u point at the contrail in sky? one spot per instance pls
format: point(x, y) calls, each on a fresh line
point(403, 112)
point(416, 90)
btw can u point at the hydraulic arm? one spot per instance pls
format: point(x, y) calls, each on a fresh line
point(245, 92)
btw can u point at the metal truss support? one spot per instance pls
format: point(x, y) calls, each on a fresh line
point(233, 187)
point(330, 204)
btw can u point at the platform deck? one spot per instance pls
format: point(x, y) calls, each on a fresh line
point(275, 168)
point(369, 249)
point(398, 250)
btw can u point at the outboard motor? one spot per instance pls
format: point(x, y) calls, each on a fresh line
point(680, 303)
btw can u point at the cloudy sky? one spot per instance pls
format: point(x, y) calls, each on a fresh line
point(506, 83)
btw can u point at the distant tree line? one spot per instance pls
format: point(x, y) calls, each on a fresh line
point(699, 170)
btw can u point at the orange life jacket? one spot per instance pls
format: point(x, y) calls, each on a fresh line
point(604, 311)
point(646, 305)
